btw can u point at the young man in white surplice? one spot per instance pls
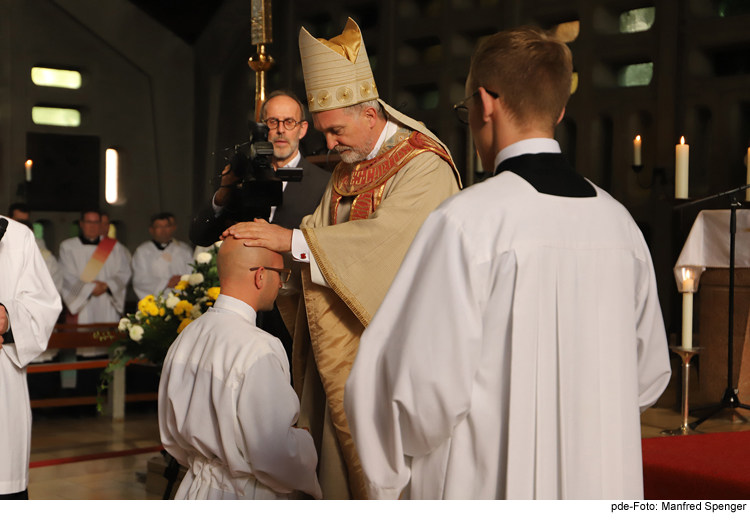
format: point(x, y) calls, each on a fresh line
point(159, 263)
point(522, 334)
point(29, 306)
point(226, 407)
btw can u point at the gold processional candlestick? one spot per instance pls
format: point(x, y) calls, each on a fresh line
point(261, 62)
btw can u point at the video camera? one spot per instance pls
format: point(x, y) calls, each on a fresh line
point(260, 187)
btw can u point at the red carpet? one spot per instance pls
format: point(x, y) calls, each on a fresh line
point(94, 456)
point(712, 466)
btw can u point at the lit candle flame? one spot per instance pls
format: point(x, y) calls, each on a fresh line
point(637, 138)
point(687, 273)
point(29, 163)
point(682, 140)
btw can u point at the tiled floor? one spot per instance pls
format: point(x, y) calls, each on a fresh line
point(115, 478)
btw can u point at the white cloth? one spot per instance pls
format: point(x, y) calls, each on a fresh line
point(152, 267)
point(108, 307)
point(226, 410)
point(300, 249)
point(708, 242)
point(51, 262)
point(513, 353)
point(33, 305)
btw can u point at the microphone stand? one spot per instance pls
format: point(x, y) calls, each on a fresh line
point(731, 398)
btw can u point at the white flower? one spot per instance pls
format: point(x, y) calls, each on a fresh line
point(139, 315)
point(218, 244)
point(124, 325)
point(136, 333)
point(196, 312)
point(203, 258)
point(185, 278)
point(195, 279)
point(172, 302)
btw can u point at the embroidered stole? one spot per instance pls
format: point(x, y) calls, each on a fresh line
point(366, 180)
point(97, 260)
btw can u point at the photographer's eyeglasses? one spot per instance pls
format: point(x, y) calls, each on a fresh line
point(462, 111)
point(289, 123)
point(284, 274)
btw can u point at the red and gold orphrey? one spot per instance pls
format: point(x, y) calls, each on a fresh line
point(366, 180)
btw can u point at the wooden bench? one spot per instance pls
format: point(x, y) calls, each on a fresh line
point(88, 335)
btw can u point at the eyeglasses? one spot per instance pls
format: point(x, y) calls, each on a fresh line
point(462, 111)
point(289, 124)
point(284, 274)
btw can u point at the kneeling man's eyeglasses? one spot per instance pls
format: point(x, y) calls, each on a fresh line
point(284, 274)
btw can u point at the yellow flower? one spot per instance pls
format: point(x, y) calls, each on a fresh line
point(144, 303)
point(183, 307)
point(213, 292)
point(153, 309)
point(162, 311)
point(184, 324)
point(181, 285)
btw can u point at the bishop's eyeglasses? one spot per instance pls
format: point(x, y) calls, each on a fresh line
point(289, 124)
point(284, 274)
point(462, 111)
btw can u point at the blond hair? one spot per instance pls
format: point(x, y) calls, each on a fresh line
point(530, 69)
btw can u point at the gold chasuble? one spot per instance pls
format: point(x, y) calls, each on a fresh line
point(358, 235)
point(390, 196)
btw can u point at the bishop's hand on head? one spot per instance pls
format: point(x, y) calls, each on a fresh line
point(260, 233)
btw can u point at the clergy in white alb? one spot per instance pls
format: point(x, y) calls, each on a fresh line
point(96, 271)
point(522, 335)
point(29, 307)
point(226, 407)
point(159, 263)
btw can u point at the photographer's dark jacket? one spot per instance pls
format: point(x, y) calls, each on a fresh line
point(300, 200)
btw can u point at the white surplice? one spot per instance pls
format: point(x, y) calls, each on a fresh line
point(51, 262)
point(33, 305)
point(513, 353)
point(109, 306)
point(226, 410)
point(153, 267)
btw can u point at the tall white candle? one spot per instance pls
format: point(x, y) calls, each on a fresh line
point(637, 151)
point(747, 161)
point(682, 157)
point(687, 320)
point(28, 164)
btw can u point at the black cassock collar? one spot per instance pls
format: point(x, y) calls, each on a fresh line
point(161, 247)
point(549, 173)
point(87, 242)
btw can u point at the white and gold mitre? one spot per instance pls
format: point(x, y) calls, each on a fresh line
point(337, 71)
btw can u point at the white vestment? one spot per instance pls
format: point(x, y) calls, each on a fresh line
point(109, 306)
point(513, 352)
point(226, 410)
point(33, 305)
point(51, 262)
point(153, 267)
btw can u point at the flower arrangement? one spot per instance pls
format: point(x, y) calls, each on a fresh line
point(150, 331)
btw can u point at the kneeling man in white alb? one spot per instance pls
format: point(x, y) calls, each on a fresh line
point(226, 407)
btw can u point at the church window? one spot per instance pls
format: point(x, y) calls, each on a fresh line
point(637, 20)
point(56, 78)
point(66, 117)
point(636, 74)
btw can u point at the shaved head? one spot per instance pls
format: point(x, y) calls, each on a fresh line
point(257, 288)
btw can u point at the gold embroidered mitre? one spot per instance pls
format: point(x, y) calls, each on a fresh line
point(337, 71)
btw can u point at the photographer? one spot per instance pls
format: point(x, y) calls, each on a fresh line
point(283, 113)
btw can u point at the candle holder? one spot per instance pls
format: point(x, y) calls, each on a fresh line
point(686, 354)
point(659, 173)
point(637, 168)
point(688, 278)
